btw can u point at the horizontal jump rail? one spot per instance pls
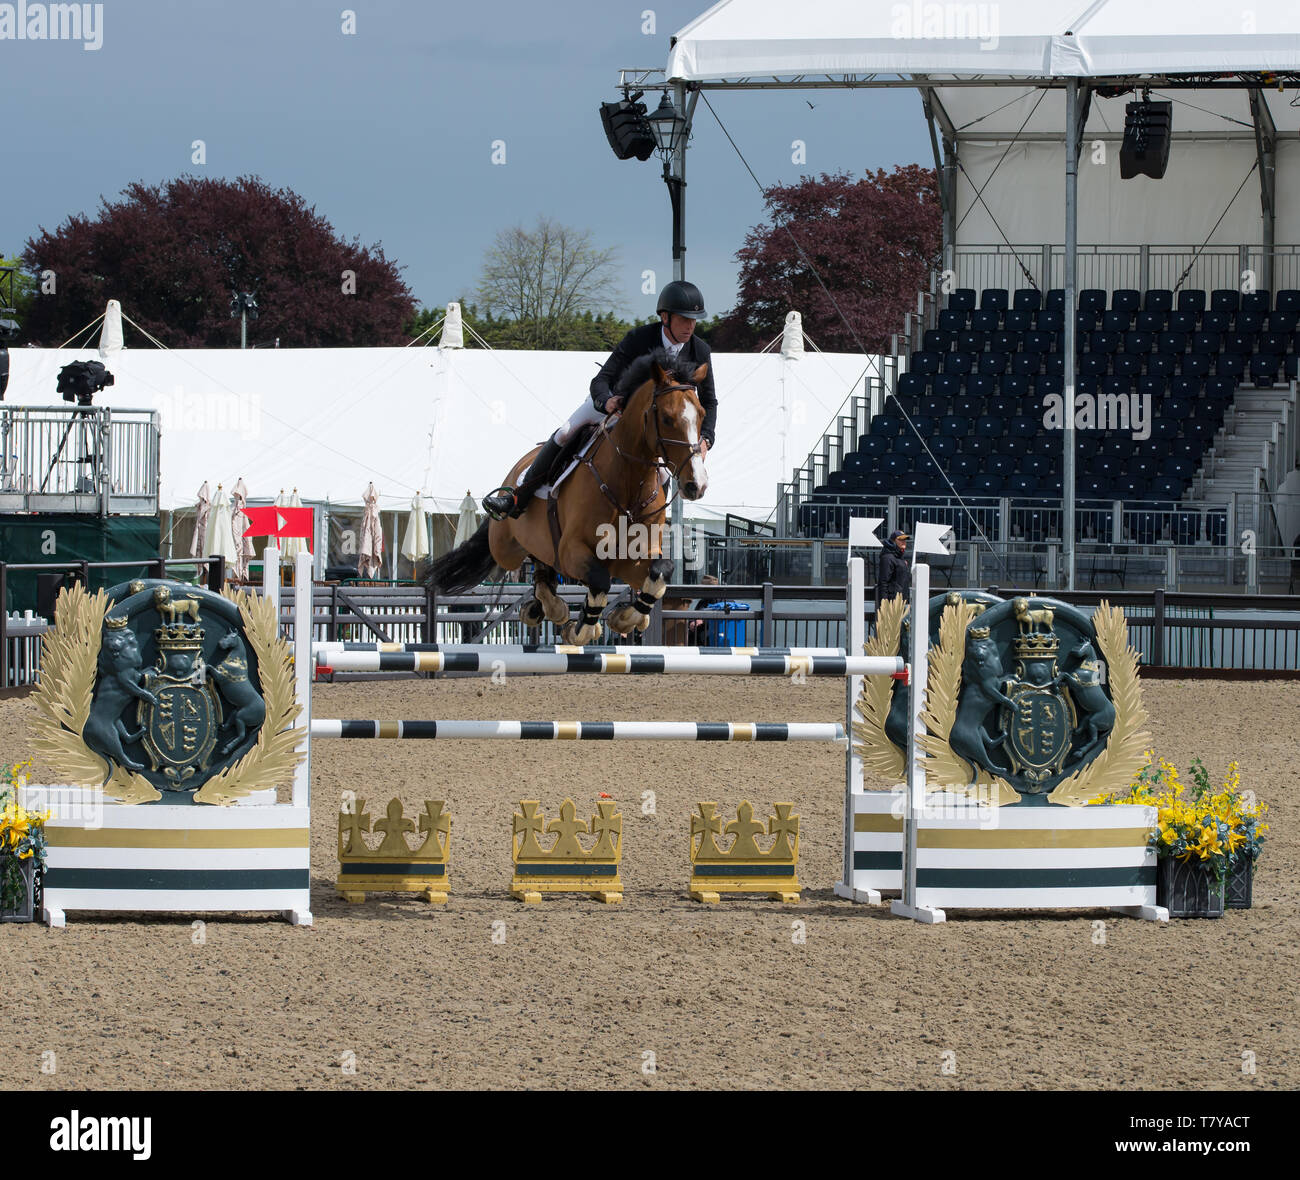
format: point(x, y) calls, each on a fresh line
point(544, 664)
point(586, 731)
point(330, 646)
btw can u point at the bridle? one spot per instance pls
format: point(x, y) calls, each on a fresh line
point(638, 513)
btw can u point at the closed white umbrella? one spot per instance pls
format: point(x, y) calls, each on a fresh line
point(290, 547)
point(415, 540)
point(370, 556)
point(220, 538)
point(239, 526)
point(201, 512)
point(467, 523)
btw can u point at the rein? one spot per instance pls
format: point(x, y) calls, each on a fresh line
point(636, 514)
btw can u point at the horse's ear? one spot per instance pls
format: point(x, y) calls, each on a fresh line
point(658, 372)
point(698, 376)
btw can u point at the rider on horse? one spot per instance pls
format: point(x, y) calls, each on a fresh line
point(680, 305)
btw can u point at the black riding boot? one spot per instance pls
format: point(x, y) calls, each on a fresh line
point(497, 503)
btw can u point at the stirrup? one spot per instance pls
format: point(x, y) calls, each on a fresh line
point(497, 513)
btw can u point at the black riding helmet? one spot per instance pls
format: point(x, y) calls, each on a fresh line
point(682, 298)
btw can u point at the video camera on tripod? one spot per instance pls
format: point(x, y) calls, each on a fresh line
point(81, 380)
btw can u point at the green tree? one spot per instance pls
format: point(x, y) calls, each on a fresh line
point(18, 288)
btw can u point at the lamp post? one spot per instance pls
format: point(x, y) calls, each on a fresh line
point(244, 305)
point(668, 125)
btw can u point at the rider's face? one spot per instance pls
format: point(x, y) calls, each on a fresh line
point(680, 327)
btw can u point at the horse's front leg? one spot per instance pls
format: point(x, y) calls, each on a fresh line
point(597, 579)
point(637, 612)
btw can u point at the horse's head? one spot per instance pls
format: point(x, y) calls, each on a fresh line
point(674, 421)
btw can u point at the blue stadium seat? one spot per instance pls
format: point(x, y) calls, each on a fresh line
point(958, 363)
point(937, 340)
point(1242, 343)
point(1036, 464)
point(1037, 342)
point(872, 446)
point(952, 319)
point(993, 364)
point(1257, 301)
point(1026, 299)
point(892, 464)
point(1264, 369)
point(954, 425)
point(911, 384)
point(1207, 343)
point(1230, 364)
point(1194, 364)
point(981, 445)
point(1186, 386)
point(1158, 299)
point(1014, 385)
point(980, 385)
point(1220, 389)
point(1282, 321)
point(1105, 342)
point(945, 385)
point(1086, 321)
point(1093, 364)
point(1288, 299)
point(1126, 299)
point(1002, 407)
point(994, 298)
point(988, 485)
point(1292, 366)
point(933, 407)
point(1049, 383)
point(1087, 383)
point(972, 341)
point(968, 406)
point(856, 463)
point(1192, 301)
point(1018, 321)
point(1055, 299)
point(962, 299)
point(1152, 386)
point(990, 426)
point(1248, 321)
point(1159, 365)
point(1092, 299)
point(1116, 321)
point(906, 444)
point(1004, 342)
point(1216, 321)
point(1022, 485)
point(1085, 444)
point(1150, 321)
point(1138, 343)
point(1276, 343)
point(1225, 300)
point(886, 426)
point(1177, 408)
point(1050, 319)
point(964, 466)
point(924, 362)
point(1172, 343)
point(1023, 426)
point(1126, 364)
point(942, 446)
point(1117, 385)
point(1026, 364)
point(986, 319)
point(1181, 321)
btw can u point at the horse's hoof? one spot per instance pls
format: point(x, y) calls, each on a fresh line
point(531, 613)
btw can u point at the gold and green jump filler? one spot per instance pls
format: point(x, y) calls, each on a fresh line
point(744, 867)
point(394, 866)
point(567, 867)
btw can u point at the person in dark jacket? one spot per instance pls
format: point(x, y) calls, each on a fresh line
point(680, 306)
point(895, 575)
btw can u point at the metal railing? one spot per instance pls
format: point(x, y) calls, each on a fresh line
point(92, 460)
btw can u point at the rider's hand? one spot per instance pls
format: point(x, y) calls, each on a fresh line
point(704, 448)
point(613, 404)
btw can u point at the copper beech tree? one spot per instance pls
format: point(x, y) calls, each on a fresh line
point(175, 253)
point(872, 241)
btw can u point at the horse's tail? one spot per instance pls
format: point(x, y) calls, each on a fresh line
point(465, 566)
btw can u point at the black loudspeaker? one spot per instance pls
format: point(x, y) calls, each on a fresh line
point(1147, 130)
point(627, 130)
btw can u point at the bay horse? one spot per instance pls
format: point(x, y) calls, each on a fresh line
point(608, 515)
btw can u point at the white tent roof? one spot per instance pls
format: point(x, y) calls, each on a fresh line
point(329, 421)
point(988, 41)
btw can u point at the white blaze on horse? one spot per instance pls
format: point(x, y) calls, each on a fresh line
point(617, 485)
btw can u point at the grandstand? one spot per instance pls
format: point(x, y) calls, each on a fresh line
point(1155, 294)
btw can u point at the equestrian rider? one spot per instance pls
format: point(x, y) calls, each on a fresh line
point(680, 306)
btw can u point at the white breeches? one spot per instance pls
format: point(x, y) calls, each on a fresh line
point(582, 416)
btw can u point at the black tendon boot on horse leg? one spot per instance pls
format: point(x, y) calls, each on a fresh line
point(505, 502)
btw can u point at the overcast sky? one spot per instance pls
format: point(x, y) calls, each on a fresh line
point(389, 131)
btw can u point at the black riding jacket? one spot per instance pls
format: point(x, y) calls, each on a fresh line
point(642, 341)
point(895, 575)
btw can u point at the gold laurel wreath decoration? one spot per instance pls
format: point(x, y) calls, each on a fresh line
point(943, 687)
point(69, 659)
point(1122, 755)
point(274, 756)
point(877, 752)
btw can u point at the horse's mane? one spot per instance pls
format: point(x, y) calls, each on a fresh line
point(680, 369)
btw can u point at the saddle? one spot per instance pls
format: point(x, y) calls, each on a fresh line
point(571, 454)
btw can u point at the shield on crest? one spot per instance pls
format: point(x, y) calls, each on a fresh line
point(180, 732)
point(1038, 730)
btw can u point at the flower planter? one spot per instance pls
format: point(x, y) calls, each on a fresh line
point(25, 907)
point(1239, 885)
point(1188, 889)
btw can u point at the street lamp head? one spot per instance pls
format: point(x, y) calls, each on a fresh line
point(668, 125)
